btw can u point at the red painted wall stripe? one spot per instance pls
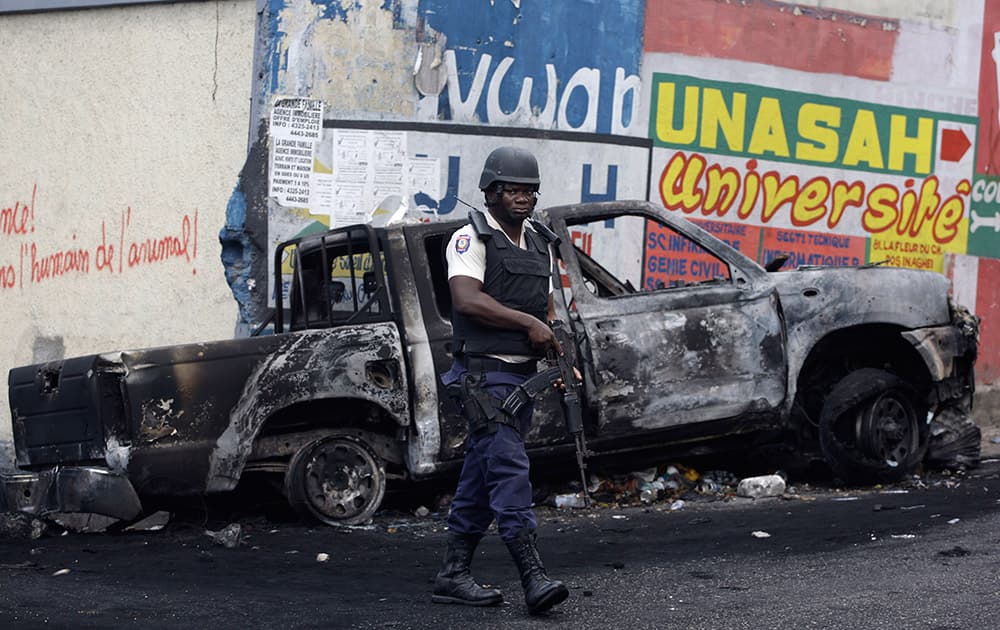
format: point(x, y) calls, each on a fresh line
point(765, 31)
point(988, 309)
point(988, 157)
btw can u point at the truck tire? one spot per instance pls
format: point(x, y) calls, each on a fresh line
point(337, 480)
point(872, 428)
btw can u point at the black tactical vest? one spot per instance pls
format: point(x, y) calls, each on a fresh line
point(517, 278)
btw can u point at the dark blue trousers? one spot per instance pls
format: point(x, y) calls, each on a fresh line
point(494, 482)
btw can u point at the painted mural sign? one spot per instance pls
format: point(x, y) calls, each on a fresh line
point(33, 254)
point(829, 180)
point(522, 63)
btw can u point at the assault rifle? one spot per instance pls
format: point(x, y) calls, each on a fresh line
point(569, 400)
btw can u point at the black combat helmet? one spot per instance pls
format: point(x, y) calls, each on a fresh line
point(509, 164)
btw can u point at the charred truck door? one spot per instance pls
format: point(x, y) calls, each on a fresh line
point(681, 328)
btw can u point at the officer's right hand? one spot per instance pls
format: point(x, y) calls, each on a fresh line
point(543, 339)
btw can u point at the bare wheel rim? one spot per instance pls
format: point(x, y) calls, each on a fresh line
point(886, 430)
point(341, 480)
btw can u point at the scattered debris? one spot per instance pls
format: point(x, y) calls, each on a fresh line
point(953, 521)
point(421, 512)
point(574, 500)
point(154, 522)
point(955, 440)
point(21, 525)
point(760, 534)
point(322, 557)
point(60, 572)
point(82, 523)
point(906, 536)
point(229, 536)
point(762, 486)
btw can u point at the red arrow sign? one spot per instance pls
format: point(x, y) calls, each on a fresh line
point(954, 144)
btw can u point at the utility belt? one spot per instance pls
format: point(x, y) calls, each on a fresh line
point(485, 412)
point(488, 364)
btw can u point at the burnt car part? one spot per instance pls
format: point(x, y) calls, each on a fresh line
point(71, 489)
point(873, 427)
point(337, 480)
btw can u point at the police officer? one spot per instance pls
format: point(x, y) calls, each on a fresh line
point(499, 272)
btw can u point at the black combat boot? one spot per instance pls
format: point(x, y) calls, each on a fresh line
point(454, 583)
point(540, 592)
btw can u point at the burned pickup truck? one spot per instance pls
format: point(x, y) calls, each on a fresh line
point(869, 369)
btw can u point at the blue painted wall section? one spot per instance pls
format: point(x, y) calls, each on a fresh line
point(568, 65)
point(569, 35)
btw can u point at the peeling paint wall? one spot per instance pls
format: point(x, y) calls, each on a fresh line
point(123, 130)
point(669, 76)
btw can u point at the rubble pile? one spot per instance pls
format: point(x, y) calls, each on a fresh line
point(673, 484)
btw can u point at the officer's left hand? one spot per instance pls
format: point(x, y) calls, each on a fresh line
point(562, 386)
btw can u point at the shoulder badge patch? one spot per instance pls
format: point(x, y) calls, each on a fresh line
point(462, 243)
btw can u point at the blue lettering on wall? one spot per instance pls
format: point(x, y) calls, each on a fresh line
point(522, 64)
point(446, 204)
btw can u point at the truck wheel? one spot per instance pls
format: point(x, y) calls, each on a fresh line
point(337, 480)
point(871, 428)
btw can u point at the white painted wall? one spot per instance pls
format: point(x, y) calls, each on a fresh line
point(137, 113)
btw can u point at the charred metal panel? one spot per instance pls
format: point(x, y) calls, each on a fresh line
point(939, 347)
point(312, 365)
point(70, 489)
point(680, 355)
point(63, 411)
point(178, 400)
point(659, 366)
point(817, 302)
point(424, 438)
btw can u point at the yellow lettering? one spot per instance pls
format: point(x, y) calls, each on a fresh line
point(843, 196)
point(947, 220)
point(906, 205)
point(679, 184)
point(716, 116)
point(777, 193)
point(665, 110)
point(864, 145)
point(818, 124)
point(720, 179)
point(927, 205)
point(881, 211)
point(920, 145)
point(769, 130)
point(751, 188)
point(810, 204)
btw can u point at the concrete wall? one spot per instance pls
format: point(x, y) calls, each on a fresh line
point(123, 132)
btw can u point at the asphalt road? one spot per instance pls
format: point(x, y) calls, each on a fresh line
point(917, 555)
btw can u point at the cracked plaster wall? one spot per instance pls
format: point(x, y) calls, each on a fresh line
point(120, 125)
